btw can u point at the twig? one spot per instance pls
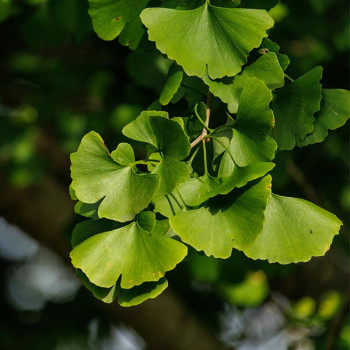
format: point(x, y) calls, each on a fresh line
point(204, 132)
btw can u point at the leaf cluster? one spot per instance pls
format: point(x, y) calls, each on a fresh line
point(196, 185)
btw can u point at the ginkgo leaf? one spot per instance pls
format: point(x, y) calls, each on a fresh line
point(197, 191)
point(169, 204)
point(334, 113)
point(172, 85)
point(130, 252)
point(126, 297)
point(233, 222)
point(294, 107)
point(295, 230)
point(171, 138)
point(166, 135)
point(141, 130)
point(171, 172)
point(137, 295)
point(269, 45)
point(251, 142)
point(209, 39)
point(87, 210)
point(109, 17)
point(266, 68)
point(96, 176)
point(124, 154)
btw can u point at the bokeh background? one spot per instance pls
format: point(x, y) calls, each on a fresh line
point(57, 82)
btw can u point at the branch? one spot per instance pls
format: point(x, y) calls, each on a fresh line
point(204, 133)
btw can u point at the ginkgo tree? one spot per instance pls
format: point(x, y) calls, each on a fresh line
point(197, 185)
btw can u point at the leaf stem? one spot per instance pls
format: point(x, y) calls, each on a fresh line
point(200, 119)
point(205, 157)
point(204, 133)
point(288, 77)
point(146, 161)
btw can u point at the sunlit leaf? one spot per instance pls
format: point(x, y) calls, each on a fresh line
point(96, 176)
point(130, 252)
point(233, 222)
point(266, 68)
point(295, 230)
point(208, 39)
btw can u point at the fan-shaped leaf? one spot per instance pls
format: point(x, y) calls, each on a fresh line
point(95, 176)
point(209, 38)
point(266, 68)
point(295, 230)
point(294, 107)
point(110, 17)
point(334, 113)
point(130, 252)
point(233, 222)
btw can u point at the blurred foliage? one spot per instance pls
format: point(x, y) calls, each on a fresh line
point(59, 81)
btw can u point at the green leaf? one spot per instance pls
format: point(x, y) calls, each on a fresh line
point(273, 47)
point(164, 134)
point(146, 220)
point(169, 204)
point(171, 172)
point(295, 230)
point(107, 295)
point(251, 142)
point(141, 130)
point(96, 176)
point(172, 85)
point(87, 210)
point(171, 138)
point(138, 294)
point(266, 68)
point(221, 226)
point(89, 228)
point(334, 113)
point(124, 154)
point(110, 17)
point(208, 39)
point(127, 297)
point(130, 252)
point(294, 107)
point(197, 191)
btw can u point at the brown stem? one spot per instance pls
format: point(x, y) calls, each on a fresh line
point(204, 132)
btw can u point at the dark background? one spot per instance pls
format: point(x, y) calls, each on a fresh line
point(57, 82)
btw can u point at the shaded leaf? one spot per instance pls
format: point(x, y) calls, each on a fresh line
point(172, 85)
point(294, 107)
point(334, 113)
point(110, 17)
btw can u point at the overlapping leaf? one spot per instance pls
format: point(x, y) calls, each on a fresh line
point(129, 252)
point(111, 18)
point(207, 39)
point(97, 176)
point(166, 135)
point(233, 222)
point(266, 68)
point(295, 230)
point(172, 85)
point(334, 113)
point(294, 107)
